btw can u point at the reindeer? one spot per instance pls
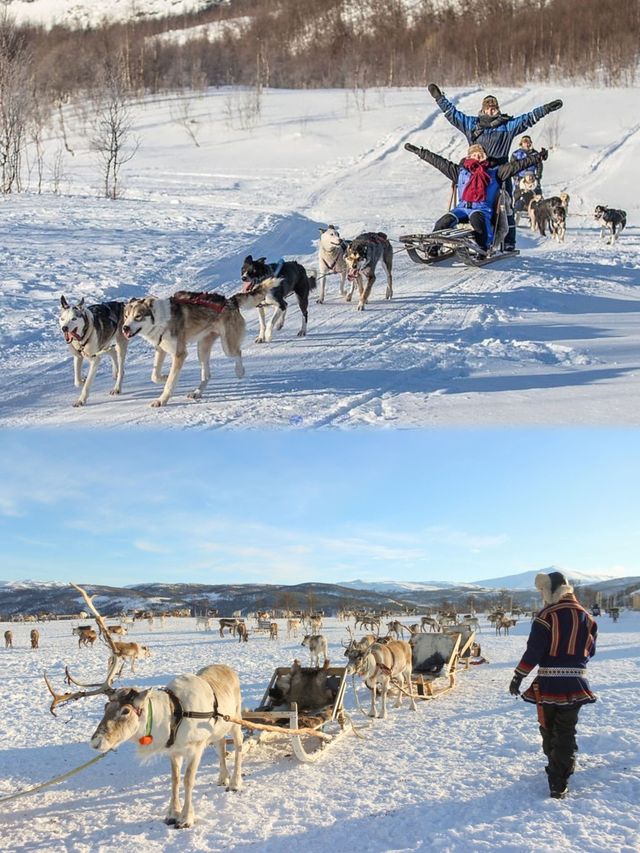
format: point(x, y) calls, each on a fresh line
point(35, 638)
point(243, 632)
point(87, 637)
point(355, 648)
point(231, 624)
point(317, 645)
point(8, 639)
point(293, 626)
point(504, 624)
point(117, 630)
point(395, 627)
point(383, 664)
point(273, 630)
point(131, 652)
point(370, 622)
point(179, 720)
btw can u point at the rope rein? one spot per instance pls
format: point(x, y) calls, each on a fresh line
point(56, 780)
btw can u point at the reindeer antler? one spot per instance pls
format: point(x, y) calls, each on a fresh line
point(104, 633)
point(105, 687)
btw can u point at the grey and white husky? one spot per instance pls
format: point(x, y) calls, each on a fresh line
point(362, 257)
point(331, 251)
point(170, 324)
point(90, 331)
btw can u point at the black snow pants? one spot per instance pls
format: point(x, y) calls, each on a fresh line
point(476, 220)
point(559, 742)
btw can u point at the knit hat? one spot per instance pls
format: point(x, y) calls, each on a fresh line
point(553, 586)
point(476, 149)
point(490, 101)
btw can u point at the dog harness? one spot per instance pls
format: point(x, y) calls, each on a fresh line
point(215, 301)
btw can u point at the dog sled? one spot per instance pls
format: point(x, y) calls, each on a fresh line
point(459, 243)
point(299, 701)
point(437, 657)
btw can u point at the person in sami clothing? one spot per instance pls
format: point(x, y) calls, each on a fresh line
point(561, 643)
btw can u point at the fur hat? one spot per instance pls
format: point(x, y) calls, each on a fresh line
point(490, 101)
point(553, 586)
point(476, 148)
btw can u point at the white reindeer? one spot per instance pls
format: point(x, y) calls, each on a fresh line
point(383, 664)
point(317, 645)
point(179, 721)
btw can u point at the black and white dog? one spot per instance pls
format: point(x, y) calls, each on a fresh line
point(90, 332)
point(362, 256)
point(612, 221)
point(270, 284)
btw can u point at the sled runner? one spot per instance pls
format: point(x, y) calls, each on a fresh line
point(319, 707)
point(455, 243)
point(459, 243)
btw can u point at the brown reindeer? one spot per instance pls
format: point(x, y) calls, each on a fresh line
point(273, 630)
point(8, 639)
point(35, 638)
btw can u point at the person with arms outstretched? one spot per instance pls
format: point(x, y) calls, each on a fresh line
point(495, 131)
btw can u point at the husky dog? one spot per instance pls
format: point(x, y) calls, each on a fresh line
point(171, 324)
point(270, 284)
point(548, 213)
point(331, 258)
point(90, 332)
point(362, 257)
point(612, 221)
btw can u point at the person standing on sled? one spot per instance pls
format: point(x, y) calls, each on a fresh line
point(478, 182)
point(561, 643)
point(534, 172)
point(495, 131)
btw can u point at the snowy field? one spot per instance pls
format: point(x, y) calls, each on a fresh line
point(464, 772)
point(549, 338)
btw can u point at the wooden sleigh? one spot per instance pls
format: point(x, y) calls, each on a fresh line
point(328, 721)
point(437, 657)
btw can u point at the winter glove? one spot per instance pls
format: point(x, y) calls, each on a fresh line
point(551, 106)
point(434, 91)
point(543, 153)
point(514, 687)
point(413, 148)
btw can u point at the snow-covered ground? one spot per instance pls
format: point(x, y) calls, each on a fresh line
point(465, 772)
point(551, 337)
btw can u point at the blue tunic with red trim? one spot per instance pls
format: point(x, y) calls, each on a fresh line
point(561, 643)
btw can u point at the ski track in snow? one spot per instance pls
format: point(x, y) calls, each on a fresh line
point(465, 772)
point(549, 337)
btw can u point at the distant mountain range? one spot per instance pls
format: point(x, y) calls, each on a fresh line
point(522, 581)
point(30, 597)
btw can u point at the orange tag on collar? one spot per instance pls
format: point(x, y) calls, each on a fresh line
point(145, 740)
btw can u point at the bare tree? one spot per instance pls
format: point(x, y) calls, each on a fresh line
point(113, 140)
point(16, 88)
point(181, 114)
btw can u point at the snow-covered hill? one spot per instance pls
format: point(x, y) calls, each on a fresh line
point(90, 13)
point(550, 337)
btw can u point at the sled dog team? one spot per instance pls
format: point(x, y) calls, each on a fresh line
point(170, 324)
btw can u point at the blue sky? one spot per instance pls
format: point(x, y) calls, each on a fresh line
point(287, 507)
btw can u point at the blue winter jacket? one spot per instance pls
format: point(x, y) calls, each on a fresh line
point(497, 139)
point(520, 154)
